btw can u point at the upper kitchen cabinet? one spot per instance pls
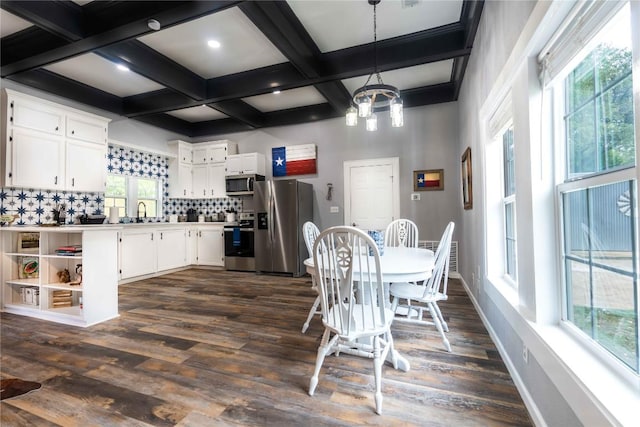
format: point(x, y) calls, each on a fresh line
point(203, 177)
point(32, 113)
point(45, 145)
point(180, 170)
point(246, 164)
point(213, 151)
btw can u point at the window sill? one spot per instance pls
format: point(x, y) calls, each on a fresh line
point(593, 385)
point(598, 393)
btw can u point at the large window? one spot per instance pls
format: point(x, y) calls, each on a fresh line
point(134, 196)
point(598, 193)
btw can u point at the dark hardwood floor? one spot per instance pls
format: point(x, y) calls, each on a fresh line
point(216, 348)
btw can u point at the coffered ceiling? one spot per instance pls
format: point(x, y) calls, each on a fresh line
point(315, 53)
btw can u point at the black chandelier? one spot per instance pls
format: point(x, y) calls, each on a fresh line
point(370, 97)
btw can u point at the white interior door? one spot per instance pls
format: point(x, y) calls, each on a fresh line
point(371, 197)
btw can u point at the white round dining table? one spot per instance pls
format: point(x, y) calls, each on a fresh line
point(398, 264)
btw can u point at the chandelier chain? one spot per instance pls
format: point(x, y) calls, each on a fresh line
point(375, 43)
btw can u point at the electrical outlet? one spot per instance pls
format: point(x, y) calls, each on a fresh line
point(525, 353)
point(415, 196)
point(334, 209)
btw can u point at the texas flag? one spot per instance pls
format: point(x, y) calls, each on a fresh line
point(427, 180)
point(294, 160)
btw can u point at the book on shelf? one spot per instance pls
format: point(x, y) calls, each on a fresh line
point(28, 242)
point(29, 268)
point(69, 250)
point(57, 304)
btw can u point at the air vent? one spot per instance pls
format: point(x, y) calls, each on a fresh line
point(453, 254)
point(409, 3)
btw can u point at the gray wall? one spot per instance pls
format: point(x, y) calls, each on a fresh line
point(428, 140)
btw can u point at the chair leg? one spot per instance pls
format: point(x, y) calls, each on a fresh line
point(322, 352)
point(436, 320)
point(312, 312)
point(377, 370)
point(439, 313)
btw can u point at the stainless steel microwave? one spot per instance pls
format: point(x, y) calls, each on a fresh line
point(241, 185)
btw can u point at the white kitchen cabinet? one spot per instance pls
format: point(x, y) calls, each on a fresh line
point(211, 246)
point(86, 166)
point(204, 176)
point(137, 252)
point(171, 247)
point(200, 182)
point(246, 164)
point(191, 235)
point(216, 180)
point(86, 128)
point(29, 274)
point(208, 181)
point(35, 137)
point(37, 160)
point(185, 153)
point(200, 155)
point(217, 153)
point(30, 113)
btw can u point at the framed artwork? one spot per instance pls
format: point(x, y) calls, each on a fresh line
point(428, 180)
point(467, 190)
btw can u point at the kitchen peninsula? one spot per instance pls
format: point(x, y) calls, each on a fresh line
point(35, 261)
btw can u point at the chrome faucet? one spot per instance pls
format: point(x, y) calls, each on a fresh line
point(138, 219)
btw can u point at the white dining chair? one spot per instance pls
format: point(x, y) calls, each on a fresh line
point(355, 315)
point(426, 295)
point(401, 232)
point(310, 232)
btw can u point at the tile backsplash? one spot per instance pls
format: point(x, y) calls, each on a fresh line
point(35, 206)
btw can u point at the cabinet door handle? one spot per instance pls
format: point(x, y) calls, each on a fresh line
point(204, 192)
point(185, 191)
point(151, 236)
point(55, 180)
point(56, 128)
point(73, 182)
point(73, 132)
point(161, 236)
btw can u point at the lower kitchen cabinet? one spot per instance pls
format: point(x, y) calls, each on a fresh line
point(33, 279)
point(192, 246)
point(172, 248)
point(153, 249)
point(211, 246)
point(137, 252)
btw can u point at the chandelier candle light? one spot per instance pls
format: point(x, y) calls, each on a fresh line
point(368, 98)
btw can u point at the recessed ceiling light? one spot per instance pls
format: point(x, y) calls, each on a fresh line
point(153, 24)
point(214, 44)
point(122, 67)
point(276, 92)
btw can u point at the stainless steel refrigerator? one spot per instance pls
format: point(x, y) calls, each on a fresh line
point(281, 207)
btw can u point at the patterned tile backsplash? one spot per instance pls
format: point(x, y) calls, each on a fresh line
point(35, 206)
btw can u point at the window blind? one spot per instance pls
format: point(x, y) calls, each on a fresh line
point(582, 23)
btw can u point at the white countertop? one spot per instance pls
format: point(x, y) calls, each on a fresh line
point(97, 227)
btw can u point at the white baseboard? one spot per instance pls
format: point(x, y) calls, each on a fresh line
point(528, 400)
